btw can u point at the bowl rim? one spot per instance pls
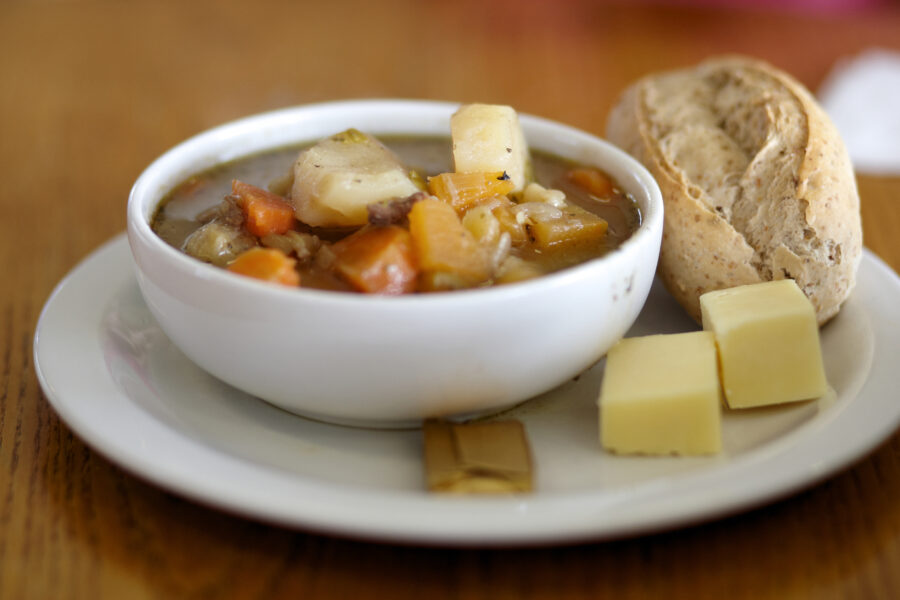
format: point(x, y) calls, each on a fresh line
point(140, 209)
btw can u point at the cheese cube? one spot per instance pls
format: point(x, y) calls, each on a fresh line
point(768, 343)
point(661, 395)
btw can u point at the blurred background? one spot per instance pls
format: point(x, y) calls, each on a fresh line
point(113, 83)
point(118, 82)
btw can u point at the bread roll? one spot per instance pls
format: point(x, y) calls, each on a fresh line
point(757, 183)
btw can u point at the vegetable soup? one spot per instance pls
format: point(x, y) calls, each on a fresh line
point(400, 215)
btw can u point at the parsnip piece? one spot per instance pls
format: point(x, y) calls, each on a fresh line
point(535, 192)
point(337, 178)
point(483, 225)
point(218, 243)
point(488, 138)
point(574, 225)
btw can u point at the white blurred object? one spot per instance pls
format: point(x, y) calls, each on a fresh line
point(862, 96)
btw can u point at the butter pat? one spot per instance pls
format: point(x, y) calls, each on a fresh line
point(661, 395)
point(477, 458)
point(768, 343)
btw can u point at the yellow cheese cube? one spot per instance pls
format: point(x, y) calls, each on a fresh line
point(661, 395)
point(768, 343)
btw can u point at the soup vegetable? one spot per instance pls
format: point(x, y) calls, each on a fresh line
point(401, 214)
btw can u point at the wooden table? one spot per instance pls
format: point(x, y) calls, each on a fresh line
point(91, 92)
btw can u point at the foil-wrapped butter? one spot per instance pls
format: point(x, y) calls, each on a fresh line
point(477, 458)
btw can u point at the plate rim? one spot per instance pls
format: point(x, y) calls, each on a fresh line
point(551, 518)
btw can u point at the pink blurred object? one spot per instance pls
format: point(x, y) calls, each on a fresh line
point(813, 6)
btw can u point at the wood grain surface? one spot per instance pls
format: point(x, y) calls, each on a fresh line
point(92, 91)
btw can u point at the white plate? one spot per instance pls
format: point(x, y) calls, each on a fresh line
point(118, 382)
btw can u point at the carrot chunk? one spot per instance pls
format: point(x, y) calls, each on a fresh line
point(377, 260)
point(267, 264)
point(264, 212)
point(448, 254)
point(464, 190)
point(596, 182)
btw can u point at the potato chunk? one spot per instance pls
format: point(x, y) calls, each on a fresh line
point(337, 178)
point(488, 138)
point(218, 243)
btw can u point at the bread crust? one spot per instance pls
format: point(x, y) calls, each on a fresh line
point(756, 181)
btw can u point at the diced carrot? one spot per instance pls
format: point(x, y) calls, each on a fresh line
point(596, 182)
point(444, 247)
point(377, 260)
point(464, 190)
point(267, 264)
point(264, 212)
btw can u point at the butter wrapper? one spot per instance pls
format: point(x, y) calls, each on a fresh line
point(477, 458)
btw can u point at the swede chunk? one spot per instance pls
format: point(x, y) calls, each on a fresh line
point(337, 178)
point(488, 138)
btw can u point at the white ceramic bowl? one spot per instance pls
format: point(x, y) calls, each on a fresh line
point(379, 361)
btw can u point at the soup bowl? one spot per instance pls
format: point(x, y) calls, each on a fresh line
point(389, 361)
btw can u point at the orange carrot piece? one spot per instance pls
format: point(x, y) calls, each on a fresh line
point(444, 246)
point(264, 212)
point(377, 260)
point(462, 191)
point(596, 182)
point(267, 264)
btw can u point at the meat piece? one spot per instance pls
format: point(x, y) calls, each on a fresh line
point(393, 212)
point(227, 212)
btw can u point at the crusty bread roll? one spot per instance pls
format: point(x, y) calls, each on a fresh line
point(757, 183)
